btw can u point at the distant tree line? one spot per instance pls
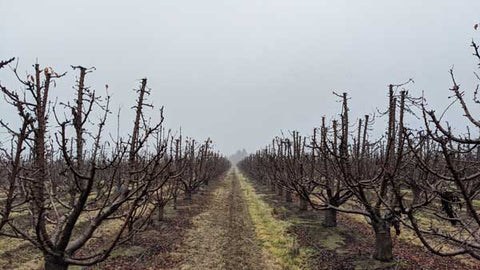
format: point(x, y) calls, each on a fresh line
point(238, 156)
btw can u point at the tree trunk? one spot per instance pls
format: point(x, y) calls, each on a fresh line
point(160, 213)
point(175, 202)
point(55, 263)
point(188, 196)
point(280, 191)
point(272, 187)
point(330, 218)
point(303, 204)
point(417, 192)
point(130, 222)
point(288, 196)
point(383, 241)
point(72, 198)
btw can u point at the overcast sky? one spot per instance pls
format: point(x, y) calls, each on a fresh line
point(241, 71)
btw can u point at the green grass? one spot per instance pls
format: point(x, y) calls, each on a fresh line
point(279, 246)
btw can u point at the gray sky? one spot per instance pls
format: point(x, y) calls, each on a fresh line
point(240, 71)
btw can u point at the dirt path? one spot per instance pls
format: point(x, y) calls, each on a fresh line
point(223, 236)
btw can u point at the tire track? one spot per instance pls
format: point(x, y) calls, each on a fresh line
point(223, 236)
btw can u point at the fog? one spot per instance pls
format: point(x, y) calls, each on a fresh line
point(240, 72)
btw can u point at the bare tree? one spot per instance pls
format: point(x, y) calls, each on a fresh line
point(63, 231)
point(330, 171)
point(446, 209)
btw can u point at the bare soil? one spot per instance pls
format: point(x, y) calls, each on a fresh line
point(223, 236)
point(162, 247)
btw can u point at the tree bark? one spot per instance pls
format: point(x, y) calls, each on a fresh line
point(55, 263)
point(175, 202)
point(160, 212)
point(303, 204)
point(288, 196)
point(330, 218)
point(417, 192)
point(188, 196)
point(272, 187)
point(383, 241)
